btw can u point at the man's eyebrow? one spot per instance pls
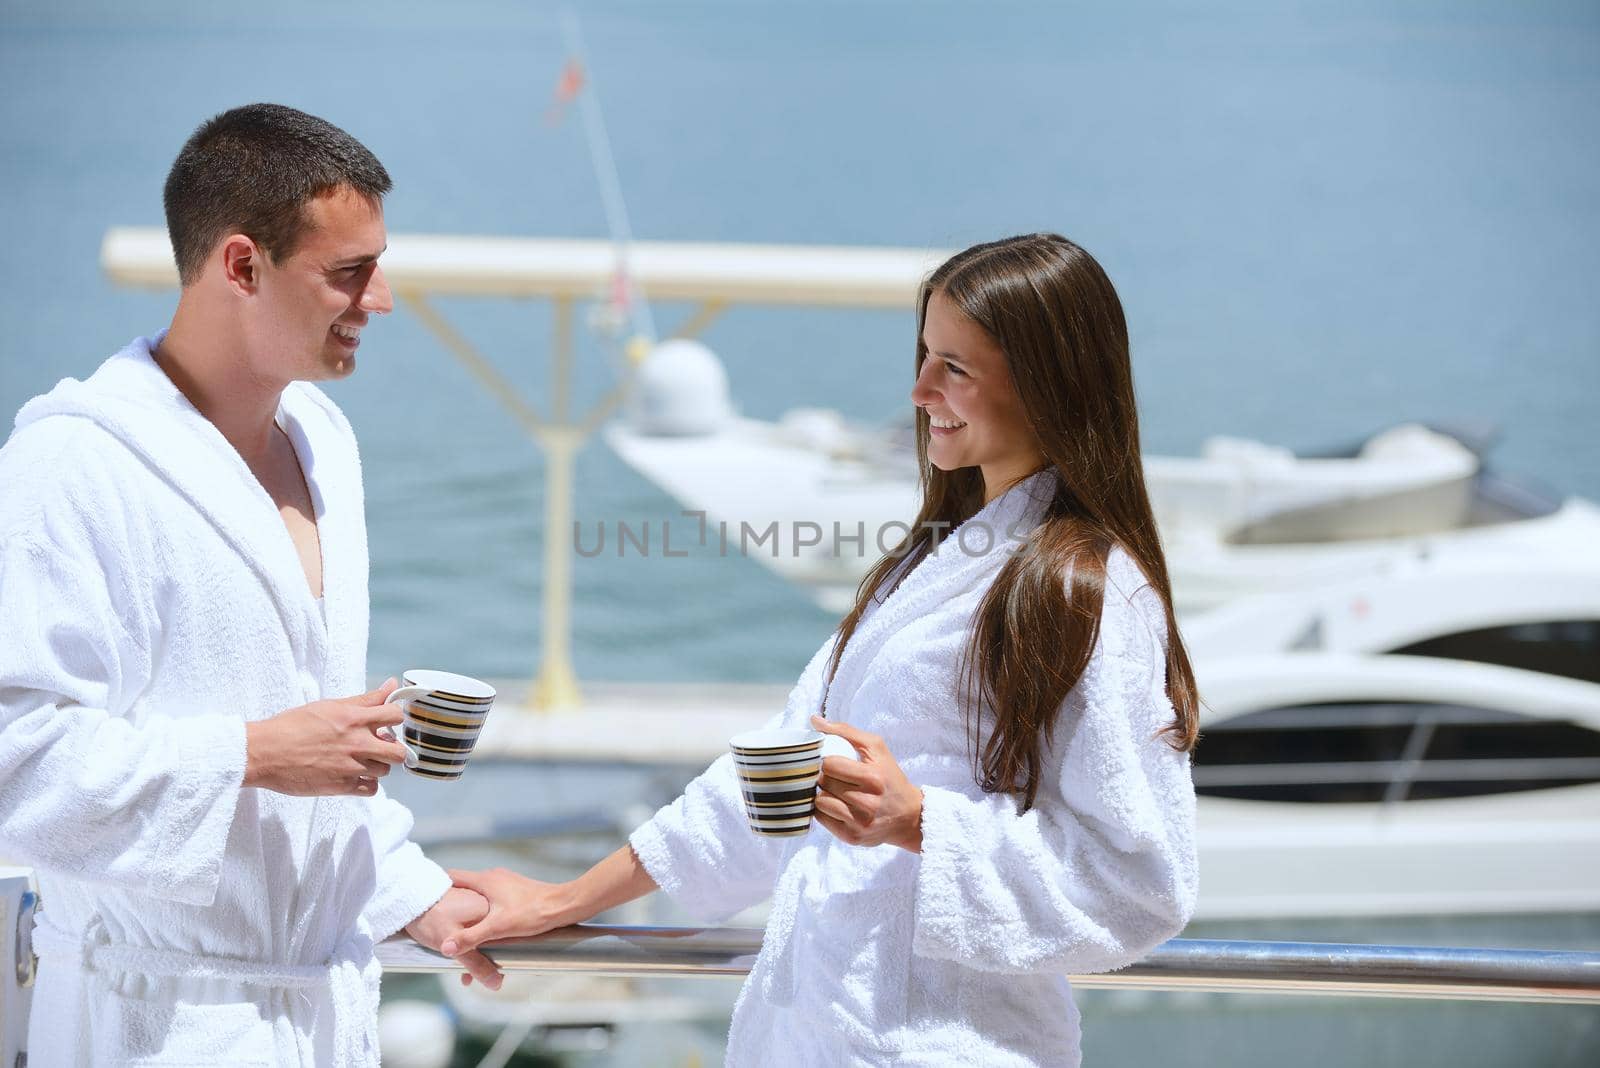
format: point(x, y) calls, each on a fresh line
point(351, 261)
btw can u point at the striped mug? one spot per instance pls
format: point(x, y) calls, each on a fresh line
point(778, 770)
point(443, 714)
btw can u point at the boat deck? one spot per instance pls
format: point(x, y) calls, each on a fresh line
point(637, 723)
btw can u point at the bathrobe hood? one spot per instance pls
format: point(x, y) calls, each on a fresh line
point(131, 398)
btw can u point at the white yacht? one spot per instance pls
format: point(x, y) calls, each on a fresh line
point(1537, 612)
point(1242, 518)
point(1399, 649)
point(1336, 784)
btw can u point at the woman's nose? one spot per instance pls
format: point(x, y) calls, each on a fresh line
point(922, 392)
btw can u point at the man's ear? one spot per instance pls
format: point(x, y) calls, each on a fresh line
point(242, 260)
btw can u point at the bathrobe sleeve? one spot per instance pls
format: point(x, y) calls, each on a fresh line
point(1102, 869)
point(700, 849)
point(409, 884)
point(84, 791)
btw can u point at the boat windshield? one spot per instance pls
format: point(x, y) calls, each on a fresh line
point(1365, 752)
point(1491, 499)
point(1570, 648)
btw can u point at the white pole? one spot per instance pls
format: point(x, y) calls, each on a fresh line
point(605, 172)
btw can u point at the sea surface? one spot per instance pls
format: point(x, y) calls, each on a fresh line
point(1322, 218)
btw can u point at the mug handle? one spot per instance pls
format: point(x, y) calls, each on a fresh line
point(403, 694)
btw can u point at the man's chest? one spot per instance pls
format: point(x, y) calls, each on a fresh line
point(281, 477)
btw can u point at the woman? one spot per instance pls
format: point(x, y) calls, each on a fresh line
point(1022, 808)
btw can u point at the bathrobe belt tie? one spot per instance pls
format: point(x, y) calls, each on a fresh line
point(351, 973)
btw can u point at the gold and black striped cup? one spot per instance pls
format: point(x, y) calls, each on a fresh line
point(443, 715)
point(778, 770)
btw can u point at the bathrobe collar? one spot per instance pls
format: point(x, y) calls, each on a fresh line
point(969, 554)
point(132, 398)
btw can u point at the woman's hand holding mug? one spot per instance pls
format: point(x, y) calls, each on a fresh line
point(867, 802)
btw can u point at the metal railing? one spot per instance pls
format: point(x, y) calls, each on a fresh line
point(18, 902)
point(1181, 964)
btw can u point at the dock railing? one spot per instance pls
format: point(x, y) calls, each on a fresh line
point(1185, 964)
point(1181, 964)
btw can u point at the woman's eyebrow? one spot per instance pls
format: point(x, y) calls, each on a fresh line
point(952, 357)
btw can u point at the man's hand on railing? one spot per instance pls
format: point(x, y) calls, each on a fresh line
point(457, 908)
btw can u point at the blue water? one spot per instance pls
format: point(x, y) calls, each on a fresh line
point(1321, 217)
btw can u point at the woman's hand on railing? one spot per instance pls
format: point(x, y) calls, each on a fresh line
point(519, 907)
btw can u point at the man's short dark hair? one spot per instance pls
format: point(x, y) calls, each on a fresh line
point(252, 170)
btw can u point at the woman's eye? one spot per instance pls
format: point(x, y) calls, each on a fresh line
point(953, 369)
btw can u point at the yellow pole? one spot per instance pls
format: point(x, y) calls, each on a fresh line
point(708, 312)
point(497, 384)
point(556, 685)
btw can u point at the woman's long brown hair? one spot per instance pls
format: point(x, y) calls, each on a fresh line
point(1052, 311)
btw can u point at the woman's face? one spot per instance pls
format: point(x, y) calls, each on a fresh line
point(975, 416)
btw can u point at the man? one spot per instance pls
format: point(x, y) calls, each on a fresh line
point(183, 601)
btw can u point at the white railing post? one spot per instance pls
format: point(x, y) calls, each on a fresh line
point(18, 902)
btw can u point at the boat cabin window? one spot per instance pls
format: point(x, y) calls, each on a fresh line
point(1357, 752)
point(1569, 647)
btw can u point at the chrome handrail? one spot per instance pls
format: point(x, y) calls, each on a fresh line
point(1196, 964)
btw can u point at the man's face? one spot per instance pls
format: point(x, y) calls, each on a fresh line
point(314, 303)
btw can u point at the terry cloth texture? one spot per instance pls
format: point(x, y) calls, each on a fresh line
point(153, 603)
point(879, 956)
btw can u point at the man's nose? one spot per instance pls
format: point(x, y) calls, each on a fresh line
point(376, 298)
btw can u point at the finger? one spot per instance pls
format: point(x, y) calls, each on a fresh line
point(364, 787)
point(375, 769)
point(384, 752)
point(842, 769)
point(481, 968)
point(469, 936)
point(381, 715)
point(834, 809)
point(469, 880)
point(377, 696)
point(384, 747)
point(862, 805)
point(838, 828)
point(472, 936)
point(864, 741)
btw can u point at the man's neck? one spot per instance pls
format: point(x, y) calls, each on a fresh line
point(207, 365)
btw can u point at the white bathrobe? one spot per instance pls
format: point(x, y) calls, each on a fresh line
point(151, 602)
point(877, 956)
